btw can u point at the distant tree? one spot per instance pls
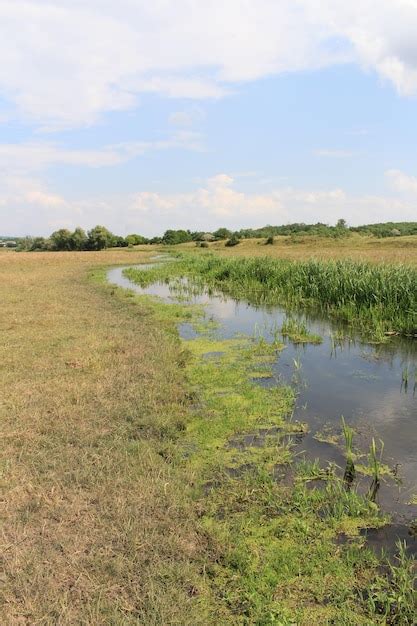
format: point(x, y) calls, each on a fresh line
point(79, 239)
point(61, 239)
point(135, 240)
point(119, 242)
point(233, 241)
point(197, 235)
point(40, 243)
point(341, 223)
point(100, 238)
point(174, 237)
point(222, 233)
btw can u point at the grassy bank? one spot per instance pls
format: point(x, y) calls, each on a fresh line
point(376, 299)
point(129, 498)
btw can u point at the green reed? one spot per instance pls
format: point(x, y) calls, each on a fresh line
point(378, 299)
point(375, 465)
point(350, 472)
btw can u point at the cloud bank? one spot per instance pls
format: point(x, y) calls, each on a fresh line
point(217, 202)
point(66, 62)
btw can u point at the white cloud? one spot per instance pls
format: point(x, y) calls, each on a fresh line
point(65, 62)
point(29, 206)
point(402, 182)
point(26, 157)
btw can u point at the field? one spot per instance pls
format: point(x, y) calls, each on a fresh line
point(357, 247)
point(120, 505)
point(95, 527)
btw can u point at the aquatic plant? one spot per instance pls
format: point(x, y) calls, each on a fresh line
point(297, 331)
point(378, 299)
point(349, 474)
point(375, 464)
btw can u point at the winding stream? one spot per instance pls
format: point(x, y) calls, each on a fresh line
point(364, 383)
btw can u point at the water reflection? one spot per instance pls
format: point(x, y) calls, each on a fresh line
point(372, 386)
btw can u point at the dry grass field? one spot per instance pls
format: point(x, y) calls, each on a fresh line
point(95, 527)
point(388, 250)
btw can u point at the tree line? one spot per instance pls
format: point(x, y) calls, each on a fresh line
point(100, 238)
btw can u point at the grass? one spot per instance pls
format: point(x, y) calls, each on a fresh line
point(356, 247)
point(96, 524)
point(125, 500)
point(377, 300)
point(297, 332)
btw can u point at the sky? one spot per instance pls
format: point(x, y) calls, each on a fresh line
point(144, 116)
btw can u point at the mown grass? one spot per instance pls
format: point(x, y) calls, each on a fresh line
point(96, 525)
point(125, 500)
point(375, 299)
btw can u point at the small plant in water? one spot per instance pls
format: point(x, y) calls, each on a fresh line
point(297, 332)
point(297, 364)
point(375, 466)
point(349, 475)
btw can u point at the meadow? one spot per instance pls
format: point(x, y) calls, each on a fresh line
point(123, 501)
point(355, 247)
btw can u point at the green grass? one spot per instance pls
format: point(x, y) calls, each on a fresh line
point(297, 332)
point(125, 500)
point(377, 300)
point(273, 543)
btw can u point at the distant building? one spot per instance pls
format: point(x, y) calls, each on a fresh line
point(8, 244)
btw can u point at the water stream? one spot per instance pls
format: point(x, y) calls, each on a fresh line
point(364, 383)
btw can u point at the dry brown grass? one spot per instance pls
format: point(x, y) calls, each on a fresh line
point(389, 250)
point(95, 523)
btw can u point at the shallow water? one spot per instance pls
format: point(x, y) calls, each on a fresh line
point(362, 382)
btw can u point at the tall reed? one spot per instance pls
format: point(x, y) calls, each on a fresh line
point(375, 298)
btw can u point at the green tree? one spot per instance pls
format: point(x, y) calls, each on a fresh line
point(61, 239)
point(100, 238)
point(135, 240)
point(341, 223)
point(222, 233)
point(79, 239)
point(174, 237)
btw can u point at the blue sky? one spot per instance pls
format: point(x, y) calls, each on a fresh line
point(202, 114)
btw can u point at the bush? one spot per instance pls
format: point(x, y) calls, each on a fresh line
point(270, 241)
point(233, 241)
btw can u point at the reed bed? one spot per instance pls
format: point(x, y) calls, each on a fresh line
point(379, 300)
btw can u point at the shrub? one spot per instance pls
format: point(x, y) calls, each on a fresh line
point(233, 241)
